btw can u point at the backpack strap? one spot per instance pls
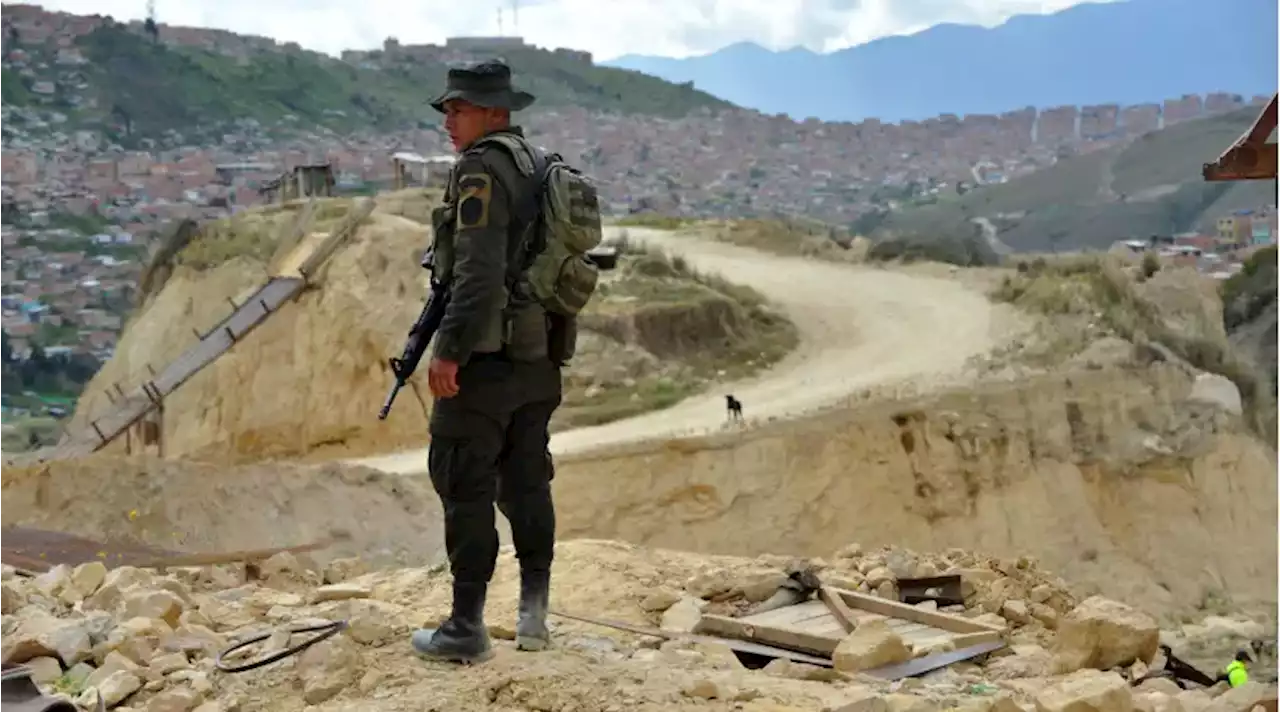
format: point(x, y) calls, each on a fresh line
point(528, 211)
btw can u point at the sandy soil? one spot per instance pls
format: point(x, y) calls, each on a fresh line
point(860, 327)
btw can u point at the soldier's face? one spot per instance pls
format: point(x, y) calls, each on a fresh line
point(465, 122)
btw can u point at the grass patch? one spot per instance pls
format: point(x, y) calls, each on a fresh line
point(1099, 288)
point(255, 233)
point(670, 331)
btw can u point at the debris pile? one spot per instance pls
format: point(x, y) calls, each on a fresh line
point(144, 641)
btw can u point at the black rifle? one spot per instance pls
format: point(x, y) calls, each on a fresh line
point(419, 336)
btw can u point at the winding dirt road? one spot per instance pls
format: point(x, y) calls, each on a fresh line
point(860, 327)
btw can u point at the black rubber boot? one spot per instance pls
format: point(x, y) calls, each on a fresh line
point(462, 638)
point(531, 628)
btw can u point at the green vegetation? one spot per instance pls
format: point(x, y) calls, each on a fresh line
point(1098, 289)
point(58, 377)
point(13, 88)
point(149, 88)
point(1152, 186)
point(1249, 292)
point(966, 251)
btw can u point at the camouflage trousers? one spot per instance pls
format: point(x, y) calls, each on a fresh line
point(489, 444)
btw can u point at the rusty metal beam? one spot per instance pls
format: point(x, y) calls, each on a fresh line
point(1250, 157)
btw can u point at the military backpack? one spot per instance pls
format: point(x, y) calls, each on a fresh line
point(563, 212)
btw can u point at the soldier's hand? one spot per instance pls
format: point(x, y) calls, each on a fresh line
point(442, 378)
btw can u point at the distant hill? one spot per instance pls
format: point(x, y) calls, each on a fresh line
point(156, 87)
point(1129, 52)
point(1151, 186)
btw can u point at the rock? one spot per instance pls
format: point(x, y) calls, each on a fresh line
point(871, 645)
point(864, 702)
point(911, 703)
point(1194, 700)
point(708, 584)
point(1101, 633)
point(1086, 691)
point(44, 670)
point(682, 617)
point(117, 686)
point(659, 600)
point(718, 656)
point(1157, 702)
point(1041, 593)
point(374, 622)
point(176, 699)
point(703, 689)
point(1016, 611)
point(11, 597)
point(759, 587)
point(1160, 684)
point(162, 605)
point(166, 663)
point(1047, 616)
point(68, 640)
point(1217, 391)
point(83, 582)
point(781, 667)
point(880, 576)
point(1026, 661)
point(341, 592)
point(326, 669)
point(112, 664)
point(51, 582)
point(1241, 698)
point(340, 570)
point(127, 577)
point(850, 551)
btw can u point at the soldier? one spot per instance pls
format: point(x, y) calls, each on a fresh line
point(494, 371)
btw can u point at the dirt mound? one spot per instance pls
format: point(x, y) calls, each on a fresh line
point(137, 640)
point(201, 507)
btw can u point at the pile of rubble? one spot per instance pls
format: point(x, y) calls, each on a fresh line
point(139, 641)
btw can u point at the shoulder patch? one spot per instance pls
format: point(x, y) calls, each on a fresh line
point(475, 190)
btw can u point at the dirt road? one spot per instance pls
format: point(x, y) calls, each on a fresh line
point(860, 327)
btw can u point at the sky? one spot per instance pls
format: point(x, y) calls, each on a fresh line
point(673, 28)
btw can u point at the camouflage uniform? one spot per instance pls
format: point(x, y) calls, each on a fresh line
point(490, 442)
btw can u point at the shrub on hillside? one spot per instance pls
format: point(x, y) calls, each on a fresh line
point(1247, 293)
point(968, 251)
point(1099, 287)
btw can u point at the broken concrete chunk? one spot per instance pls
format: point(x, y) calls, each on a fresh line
point(117, 686)
point(162, 605)
point(44, 670)
point(1086, 691)
point(327, 669)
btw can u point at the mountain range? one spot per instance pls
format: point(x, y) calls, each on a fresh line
point(1128, 52)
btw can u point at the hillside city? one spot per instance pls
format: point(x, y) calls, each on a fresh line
point(80, 211)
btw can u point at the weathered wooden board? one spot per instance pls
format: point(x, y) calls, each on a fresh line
point(817, 626)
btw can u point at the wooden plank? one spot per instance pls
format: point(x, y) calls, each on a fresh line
point(965, 640)
point(770, 635)
point(742, 646)
point(843, 614)
point(787, 615)
point(893, 609)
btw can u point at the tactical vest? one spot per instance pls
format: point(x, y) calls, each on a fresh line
point(516, 326)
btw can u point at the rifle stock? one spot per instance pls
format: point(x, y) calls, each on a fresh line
point(416, 345)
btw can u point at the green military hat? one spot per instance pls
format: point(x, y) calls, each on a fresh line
point(486, 84)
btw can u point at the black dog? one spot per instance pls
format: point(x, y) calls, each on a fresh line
point(734, 407)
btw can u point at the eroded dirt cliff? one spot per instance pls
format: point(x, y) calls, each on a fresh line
point(1111, 476)
point(308, 382)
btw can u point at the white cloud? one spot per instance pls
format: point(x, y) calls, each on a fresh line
point(661, 27)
